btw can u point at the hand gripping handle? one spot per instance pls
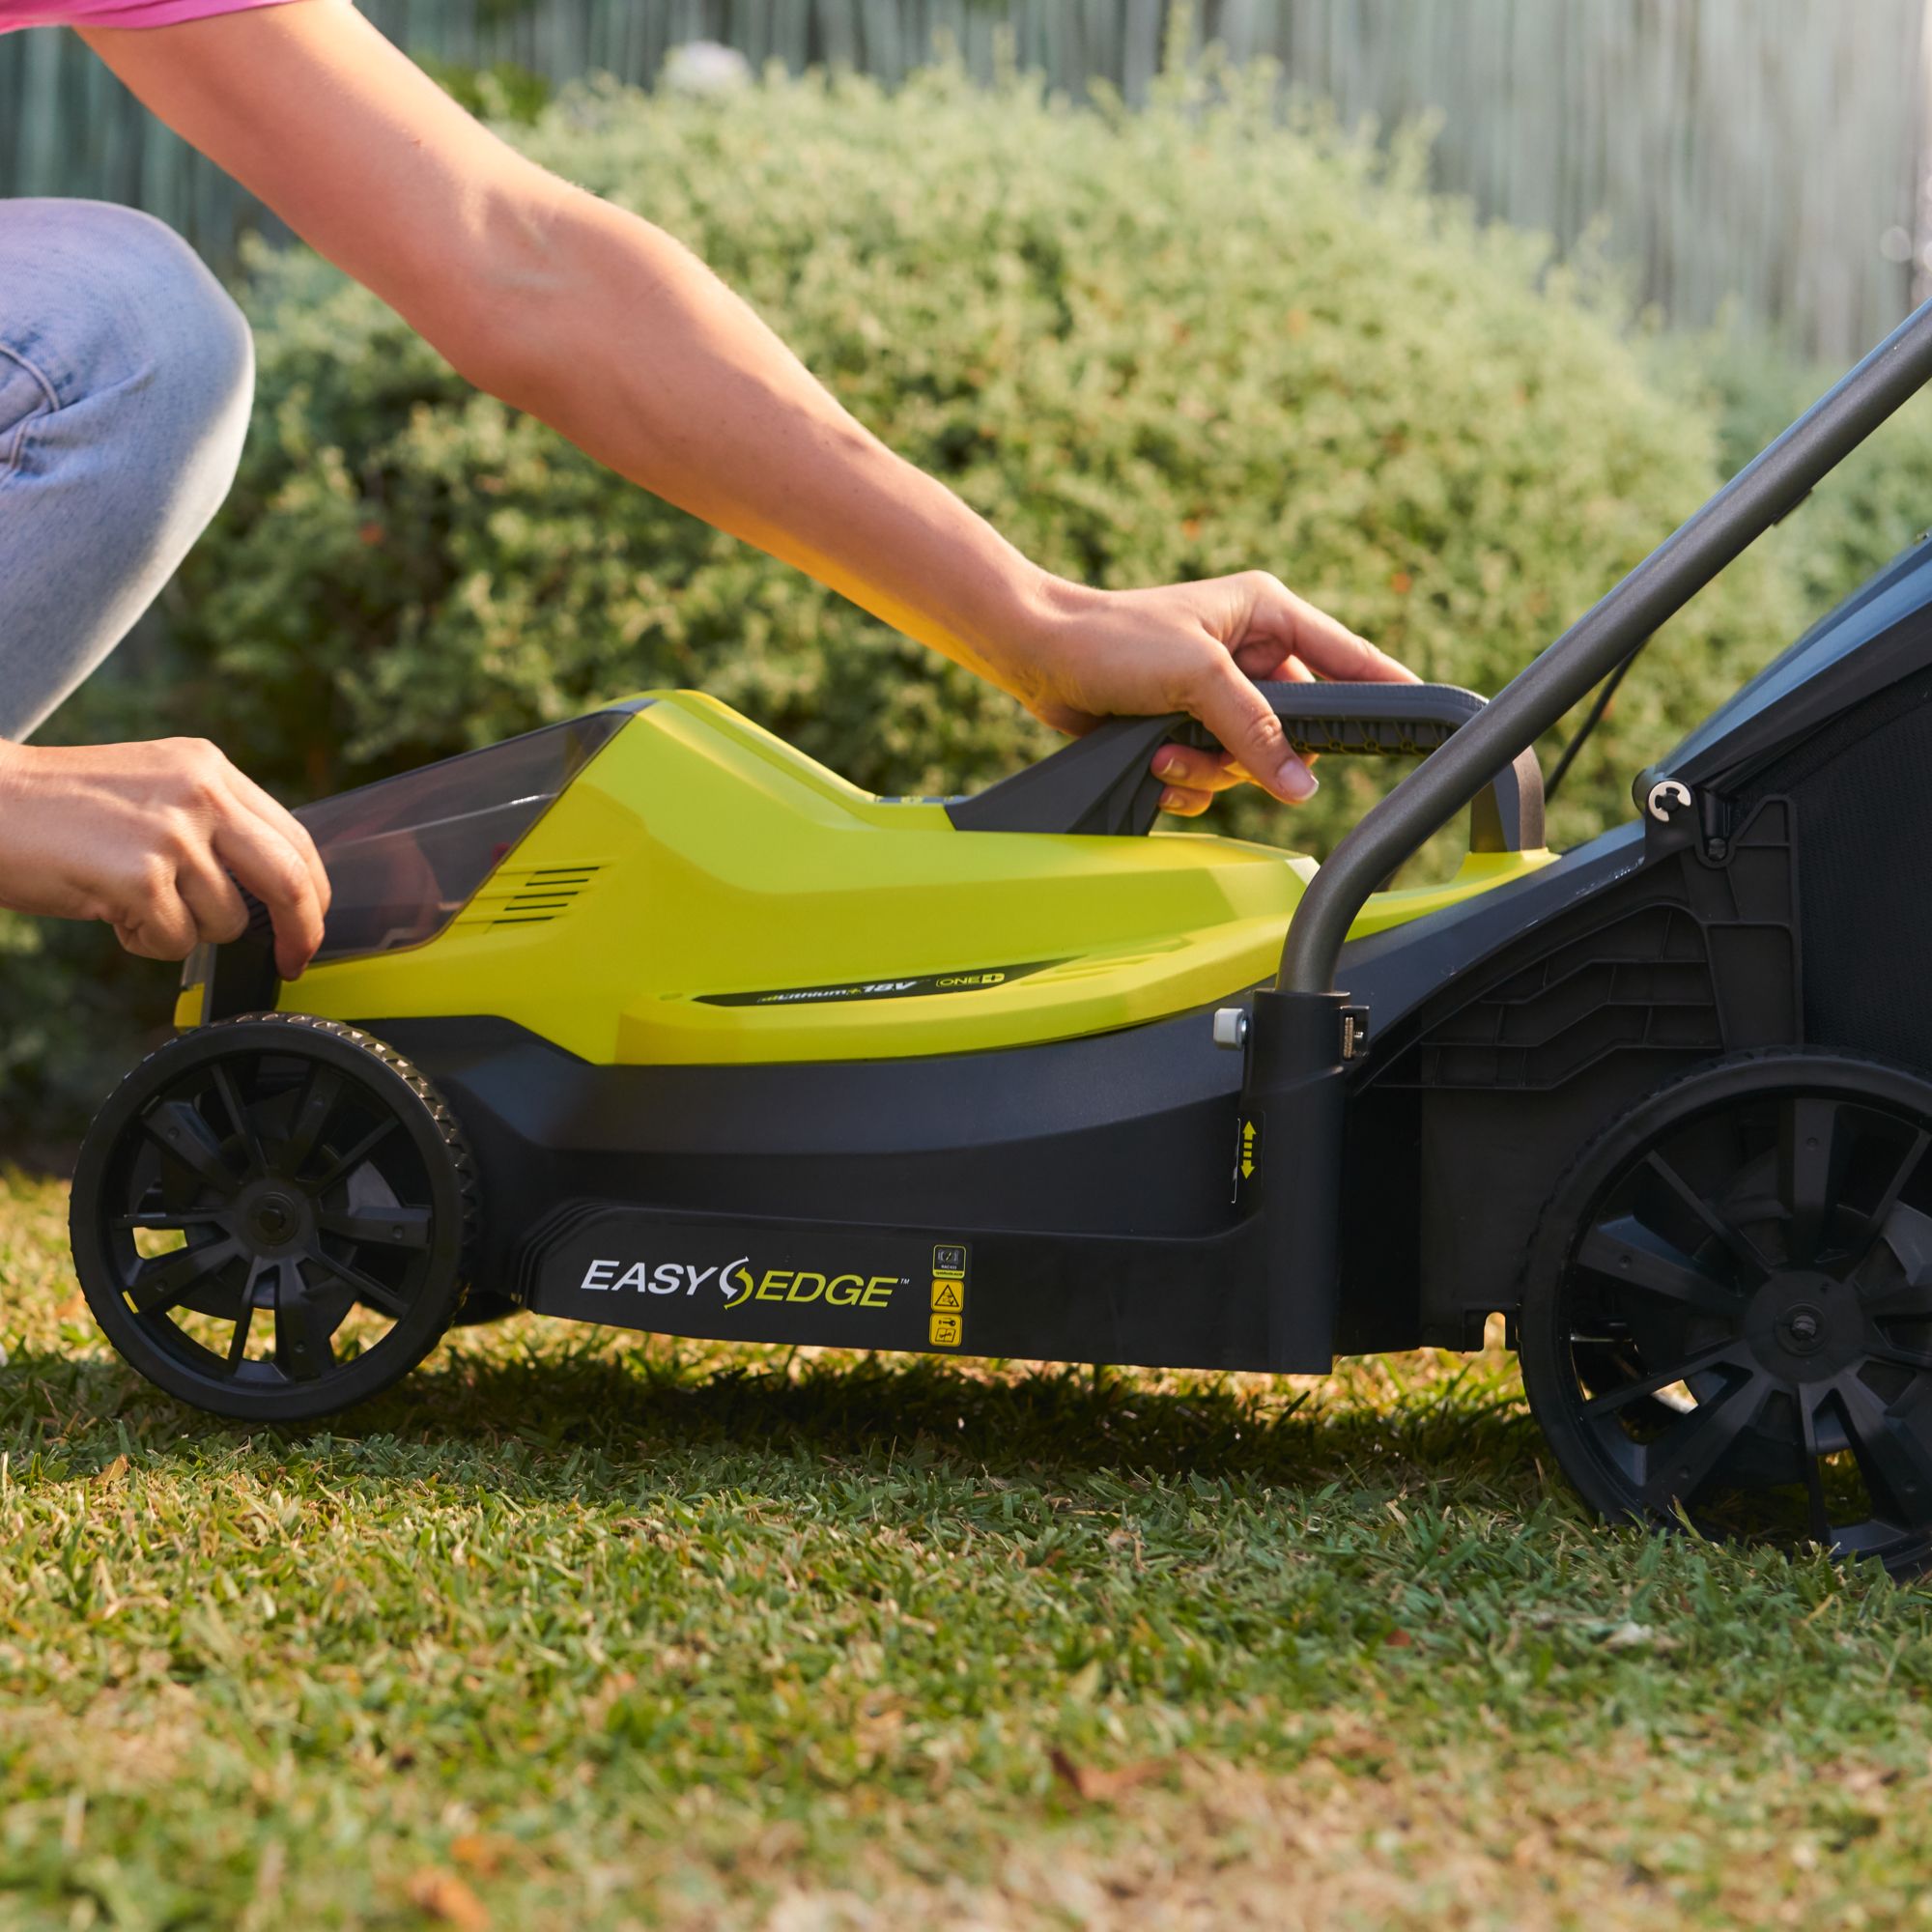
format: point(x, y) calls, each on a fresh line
point(1104, 782)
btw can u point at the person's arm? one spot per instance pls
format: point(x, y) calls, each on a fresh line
point(608, 329)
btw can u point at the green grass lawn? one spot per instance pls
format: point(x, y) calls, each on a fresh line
point(587, 1630)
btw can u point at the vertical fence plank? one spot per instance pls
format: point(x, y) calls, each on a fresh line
point(837, 38)
point(791, 31)
point(40, 167)
point(882, 41)
point(1141, 30)
point(977, 29)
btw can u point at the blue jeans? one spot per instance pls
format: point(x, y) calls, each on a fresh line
point(126, 376)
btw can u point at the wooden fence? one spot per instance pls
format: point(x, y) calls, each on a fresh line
point(1766, 151)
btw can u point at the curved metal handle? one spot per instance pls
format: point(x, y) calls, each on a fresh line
point(1767, 488)
point(1104, 783)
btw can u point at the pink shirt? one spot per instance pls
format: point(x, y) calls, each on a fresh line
point(115, 12)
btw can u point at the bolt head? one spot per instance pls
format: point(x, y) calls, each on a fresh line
point(1230, 1027)
point(1803, 1329)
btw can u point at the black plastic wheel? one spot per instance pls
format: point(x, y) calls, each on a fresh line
point(1728, 1315)
point(269, 1217)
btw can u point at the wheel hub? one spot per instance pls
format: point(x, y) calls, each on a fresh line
point(1803, 1329)
point(1805, 1326)
point(273, 1218)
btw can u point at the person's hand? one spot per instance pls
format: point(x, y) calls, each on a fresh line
point(154, 839)
point(1193, 647)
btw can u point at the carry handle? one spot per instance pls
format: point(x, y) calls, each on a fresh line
point(1104, 783)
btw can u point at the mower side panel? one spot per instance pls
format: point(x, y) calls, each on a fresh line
point(1510, 1068)
point(1173, 1303)
point(1860, 788)
point(702, 894)
point(1092, 1181)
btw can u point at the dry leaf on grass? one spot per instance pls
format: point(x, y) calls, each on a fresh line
point(443, 1896)
point(1101, 1787)
point(480, 1852)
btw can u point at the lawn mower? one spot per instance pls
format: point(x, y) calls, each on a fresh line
point(644, 1018)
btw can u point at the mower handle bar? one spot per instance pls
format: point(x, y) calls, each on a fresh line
point(1104, 783)
point(1391, 721)
point(1772, 485)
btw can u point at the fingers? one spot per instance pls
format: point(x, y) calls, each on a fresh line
point(1227, 702)
point(1320, 641)
point(179, 898)
point(179, 903)
point(1188, 769)
point(1194, 778)
point(271, 868)
point(211, 901)
point(283, 821)
point(155, 922)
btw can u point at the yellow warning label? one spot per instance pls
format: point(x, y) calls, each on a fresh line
point(949, 1261)
point(948, 1295)
point(944, 1332)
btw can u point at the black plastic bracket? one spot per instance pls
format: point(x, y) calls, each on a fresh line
point(1104, 783)
point(1293, 1095)
point(241, 975)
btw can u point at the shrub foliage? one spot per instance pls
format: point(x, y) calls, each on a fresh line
point(1147, 346)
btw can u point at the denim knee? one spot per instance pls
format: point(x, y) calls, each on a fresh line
point(198, 344)
point(126, 377)
point(123, 323)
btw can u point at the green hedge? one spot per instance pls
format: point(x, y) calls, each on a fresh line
point(1147, 346)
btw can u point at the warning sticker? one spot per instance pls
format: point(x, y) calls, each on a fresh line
point(950, 1296)
point(949, 1261)
point(944, 1332)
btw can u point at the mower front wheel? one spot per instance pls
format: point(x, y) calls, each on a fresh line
point(271, 1216)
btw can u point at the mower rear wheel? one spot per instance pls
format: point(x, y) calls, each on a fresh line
point(1728, 1317)
point(269, 1217)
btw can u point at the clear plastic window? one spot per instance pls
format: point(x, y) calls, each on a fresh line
point(405, 855)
